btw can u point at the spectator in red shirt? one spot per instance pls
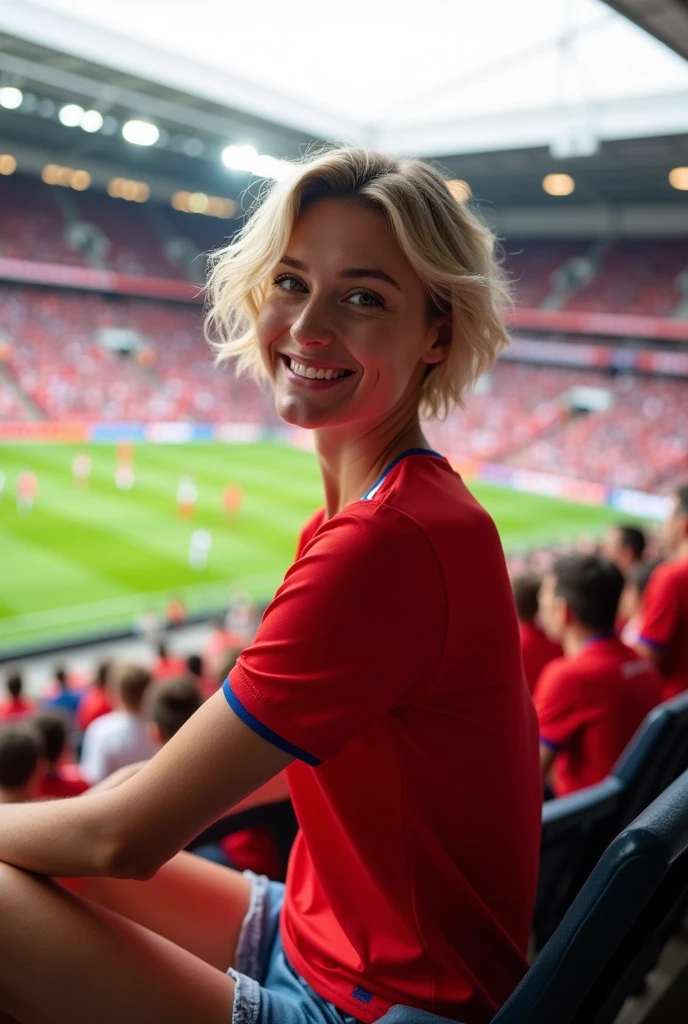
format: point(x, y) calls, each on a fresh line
point(166, 665)
point(20, 764)
point(591, 701)
point(663, 628)
point(624, 545)
point(61, 777)
point(536, 647)
point(95, 700)
point(16, 706)
point(368, 296)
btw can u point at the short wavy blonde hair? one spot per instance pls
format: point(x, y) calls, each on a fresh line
point(446, 242)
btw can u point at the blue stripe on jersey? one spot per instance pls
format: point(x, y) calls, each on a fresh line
point(262, 730)
point(550, 744)
point(381, 479)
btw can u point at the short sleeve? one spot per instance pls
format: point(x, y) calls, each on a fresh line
point(357, 627)
point(660, 610)
point(558, 705)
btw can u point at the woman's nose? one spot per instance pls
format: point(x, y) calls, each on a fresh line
point(311, 328)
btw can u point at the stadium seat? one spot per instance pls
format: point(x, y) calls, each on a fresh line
point(657, 754)
point(577, 828)
point(575, 831)
point(613, 931)
point(278, 817)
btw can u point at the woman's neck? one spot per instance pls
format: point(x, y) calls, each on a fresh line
point(351, 464)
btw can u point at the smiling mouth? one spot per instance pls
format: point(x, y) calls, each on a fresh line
point(306, 371)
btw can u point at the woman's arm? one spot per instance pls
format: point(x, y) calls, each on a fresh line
point(212, 763)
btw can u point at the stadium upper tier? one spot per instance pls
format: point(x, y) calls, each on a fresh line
point(50, 224)
point(71, 356)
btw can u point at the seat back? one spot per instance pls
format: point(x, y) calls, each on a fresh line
point(613, 930)
point(575, 831)
point(578, 828)
point(657, 754)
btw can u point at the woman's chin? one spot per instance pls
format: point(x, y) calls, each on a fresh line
point(299, 413)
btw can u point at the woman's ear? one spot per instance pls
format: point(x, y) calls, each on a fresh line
point(439, 347)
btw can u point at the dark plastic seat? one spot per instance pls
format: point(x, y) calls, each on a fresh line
point(613, 931)
point(576, 829)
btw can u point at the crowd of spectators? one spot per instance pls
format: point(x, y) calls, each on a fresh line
point(55, 352)
point(522, 414)
point(640, 442)
point(604, 636)
point(632, 275)
point(80, 733)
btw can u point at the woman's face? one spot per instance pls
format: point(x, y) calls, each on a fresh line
point(344, 331)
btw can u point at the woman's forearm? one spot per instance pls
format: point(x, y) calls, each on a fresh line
point(59, 837)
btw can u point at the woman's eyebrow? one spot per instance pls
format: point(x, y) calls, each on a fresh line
point(347, 274)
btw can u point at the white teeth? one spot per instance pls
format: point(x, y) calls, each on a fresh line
point(312, 374)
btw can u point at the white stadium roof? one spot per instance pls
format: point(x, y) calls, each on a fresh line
point(439, 77)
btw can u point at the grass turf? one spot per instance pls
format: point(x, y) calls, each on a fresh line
point(87, 560)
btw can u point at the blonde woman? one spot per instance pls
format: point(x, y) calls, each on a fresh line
point(386, 676)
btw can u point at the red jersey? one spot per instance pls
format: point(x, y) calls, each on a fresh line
point(16, 707)
point(253, 849)
point(168, 668)
point(537, 650)
point(64, 781)
point(94, 703)
point(664, 622)
point(590, 705)
point(416, 781)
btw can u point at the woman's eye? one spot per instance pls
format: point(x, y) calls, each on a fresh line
point(366, 299)
point(289, 283)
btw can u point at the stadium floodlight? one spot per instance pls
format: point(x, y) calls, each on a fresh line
point(247, 158)
point(8, 164)
point(140, 133)
point(271, 167)
point(71, 114)
point(678, 178)
point(92, 121)
point(239, 158)
point(558, 184)
point(10, 97)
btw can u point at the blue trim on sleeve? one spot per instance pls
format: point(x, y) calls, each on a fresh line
point(651, 643)
point(262, 730)
point(550, 744)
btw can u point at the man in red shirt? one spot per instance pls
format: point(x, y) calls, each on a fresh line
point(663, 628)
point(591, 701)
point(536, 647)
point(16, 706)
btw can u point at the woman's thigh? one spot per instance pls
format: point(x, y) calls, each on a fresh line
point(66, 961)
point(194, 903)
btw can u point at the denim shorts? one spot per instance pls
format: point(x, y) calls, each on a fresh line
point(268, 989)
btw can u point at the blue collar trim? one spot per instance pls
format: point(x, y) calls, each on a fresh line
point(381, 479)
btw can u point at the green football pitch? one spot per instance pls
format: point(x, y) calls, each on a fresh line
point(80, 561)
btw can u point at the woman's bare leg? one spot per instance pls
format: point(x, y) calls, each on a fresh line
point(66, 961)
point(194, 903)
